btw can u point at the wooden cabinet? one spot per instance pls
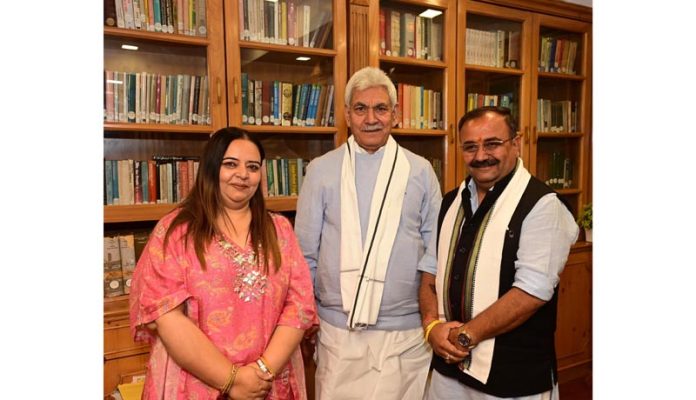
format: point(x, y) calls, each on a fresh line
point(574, 320)
point(412, 42)
point(535, 59)
point(290, 64)
point(122, 356)
point(159, 57)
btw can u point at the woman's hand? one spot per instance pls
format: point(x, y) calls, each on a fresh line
point(251, 383)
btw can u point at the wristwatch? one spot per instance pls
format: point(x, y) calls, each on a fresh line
point(464, 338)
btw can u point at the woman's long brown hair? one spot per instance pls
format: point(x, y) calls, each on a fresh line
point(203, 205)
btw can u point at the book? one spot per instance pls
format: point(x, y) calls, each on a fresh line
point(286, 104)
point(267, 89)
point(140, 239)
point(293, 183)
point(152, 181)
point(110, 12)
point(108, 183)
point(270, 177)
point(258, 102)
point(292, 30)
point(408, 30)
point(127, 249)
point(387, 31)
point(382, 33)
point(395, 33)
point(113, 275)
point(513, 49)
point(251, 106)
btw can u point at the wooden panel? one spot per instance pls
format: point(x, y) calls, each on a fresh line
point(358, 38)
point(574, 323)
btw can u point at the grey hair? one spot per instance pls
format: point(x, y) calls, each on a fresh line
point(369, 77)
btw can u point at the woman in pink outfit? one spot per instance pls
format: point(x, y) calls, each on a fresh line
point(222, 291)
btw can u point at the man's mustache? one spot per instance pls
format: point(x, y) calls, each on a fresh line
point(485, 163)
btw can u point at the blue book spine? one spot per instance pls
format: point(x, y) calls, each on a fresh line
point(143, 181)
point(313, 105)
point(158, 18)
point(276, 103)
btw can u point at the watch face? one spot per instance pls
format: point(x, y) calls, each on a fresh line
point(464, 339)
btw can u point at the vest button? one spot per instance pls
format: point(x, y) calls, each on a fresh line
point(456, 277)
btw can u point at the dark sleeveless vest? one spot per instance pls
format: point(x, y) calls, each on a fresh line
point(524, 359)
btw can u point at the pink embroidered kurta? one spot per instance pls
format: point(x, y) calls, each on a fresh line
point(235, 308)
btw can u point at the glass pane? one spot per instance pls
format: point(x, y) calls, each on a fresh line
point(279, 90)
point(419, 96)
point(493, 89)
point(558, 162)
point(558, 105)
point(410, 31)
point(304, 23)
point(155, 84)
point(432, 148)
point(166, 17)
point(560, 51)
point(492, 42)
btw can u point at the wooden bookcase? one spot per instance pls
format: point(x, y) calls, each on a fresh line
point(164, 54)
point(268, 62)
point(528, 83)
point(225, 55)
point(420, 69)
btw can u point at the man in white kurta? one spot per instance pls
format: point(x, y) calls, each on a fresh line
point(366, 219)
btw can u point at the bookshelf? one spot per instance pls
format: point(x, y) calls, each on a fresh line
point(508, 46)
point(192, 49)
point(418, 53)
point(301, 62)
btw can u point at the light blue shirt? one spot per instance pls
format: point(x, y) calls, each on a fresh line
point(318, 229)
point(547, 233)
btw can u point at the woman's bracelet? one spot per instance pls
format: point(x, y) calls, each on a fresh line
point(430, 328)
point(263, 365)
point(230, 381)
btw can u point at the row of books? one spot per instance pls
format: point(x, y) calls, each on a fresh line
point(121, 253)
point(286, 104)
point(560, 171)
point(557, 116)
point(164, 179)
point(496, 48)
point(183, 17)
point(557, 55)
point(285, 22)
point(284, 176)
point(404, 34)
point(421, 108)
point(478, 100)
point(144, 97)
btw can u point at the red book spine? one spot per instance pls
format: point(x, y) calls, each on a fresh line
point(152, 179)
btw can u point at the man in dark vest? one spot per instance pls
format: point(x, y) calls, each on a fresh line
point(503, 240)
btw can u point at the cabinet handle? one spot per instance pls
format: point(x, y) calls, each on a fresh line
point(526, 135)
point(534, 135)
point(451, 134)
point(236, 90)
point(219, 95)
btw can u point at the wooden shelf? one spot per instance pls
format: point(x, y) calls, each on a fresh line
point(154, 212)
point(285, 203)
point(137, 212)
point(559, 135)
point(311, 130)
point(419, 132)
point(156, 36)
point(497, 70)
point(413, 61)
point(568, 191)
point(197, 129)
point(558, 75)
point(299, 50)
